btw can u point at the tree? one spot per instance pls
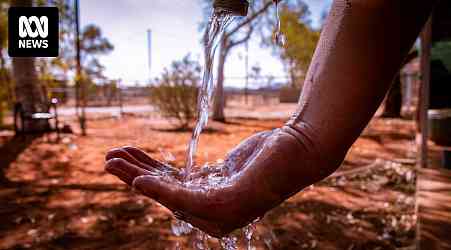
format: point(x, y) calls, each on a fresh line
point(5, 83)
point(57, 69)
point(92, 45)
point(301, 43)
point(27, 86)
point(261, 19)
point(48, 67)
point(175, 92)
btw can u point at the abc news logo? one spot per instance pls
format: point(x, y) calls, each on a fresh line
point(33, 32)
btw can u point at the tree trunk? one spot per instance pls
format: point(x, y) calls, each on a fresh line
point(393, 102)
point(219, 101)
point(27, 86)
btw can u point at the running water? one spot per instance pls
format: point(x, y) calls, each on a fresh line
point(248, 233)
point(213, 34)
point(279, 37)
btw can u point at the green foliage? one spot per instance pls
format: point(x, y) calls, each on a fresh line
point(300, 45)
point(92, 45)
point(442, 51)
point(175, 93)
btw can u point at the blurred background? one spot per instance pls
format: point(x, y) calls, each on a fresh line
point(128, 74)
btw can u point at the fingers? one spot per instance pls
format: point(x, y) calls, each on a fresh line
point(144, 158)
point(138, 158)
point(169, 192)
point(124, 170)
point(123, 154)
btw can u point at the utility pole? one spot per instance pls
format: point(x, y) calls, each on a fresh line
point(246, 62)
point(81, 88)
point(149, 48)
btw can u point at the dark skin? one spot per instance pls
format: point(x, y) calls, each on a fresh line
point(362, 46)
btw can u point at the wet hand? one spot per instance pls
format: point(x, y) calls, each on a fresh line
point(256, 176)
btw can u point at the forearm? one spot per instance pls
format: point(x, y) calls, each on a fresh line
point(361, 48)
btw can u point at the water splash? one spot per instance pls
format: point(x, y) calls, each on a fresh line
point(201, 241)
point(213, 35)
point(168, 157)
point(180, 228)
point(279, 37)
point(229, 243)
point(248, 233)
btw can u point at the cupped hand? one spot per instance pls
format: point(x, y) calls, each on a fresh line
point(255, 176)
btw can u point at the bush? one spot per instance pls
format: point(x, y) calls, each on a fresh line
point(175, 93)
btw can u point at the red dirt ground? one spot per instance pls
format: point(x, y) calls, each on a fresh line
point(57, 195)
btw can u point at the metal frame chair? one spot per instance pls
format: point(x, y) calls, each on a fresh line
point(21, 116)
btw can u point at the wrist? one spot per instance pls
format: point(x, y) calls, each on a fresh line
point(322, 159)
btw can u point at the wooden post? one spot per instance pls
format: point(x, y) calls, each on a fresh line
point(426, 44)
point(426, 41)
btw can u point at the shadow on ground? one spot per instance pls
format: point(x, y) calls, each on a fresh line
point(63, 199)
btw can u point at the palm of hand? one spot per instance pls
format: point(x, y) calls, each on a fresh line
point(216, 199)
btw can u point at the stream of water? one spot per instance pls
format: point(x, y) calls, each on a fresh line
point(215, 29)
point(213, 35)
point(279, 37)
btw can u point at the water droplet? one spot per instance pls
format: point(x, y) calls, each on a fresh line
point(229, 243)
point(201, 241)
point(279, 37)
point(180, 228)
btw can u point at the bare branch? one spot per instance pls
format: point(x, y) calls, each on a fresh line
point(244, 39)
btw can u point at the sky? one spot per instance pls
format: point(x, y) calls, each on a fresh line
point(175, 33)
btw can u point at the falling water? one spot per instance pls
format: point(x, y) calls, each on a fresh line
point(279, 37)
point(248, 233)
point(215, 29)
point(213, 34)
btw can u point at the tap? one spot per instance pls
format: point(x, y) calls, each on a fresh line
point(235, 7)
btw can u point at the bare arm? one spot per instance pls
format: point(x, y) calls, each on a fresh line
point(362, 47)
point(363, 44)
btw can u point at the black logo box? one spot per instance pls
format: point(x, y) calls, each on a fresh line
point(14, 13)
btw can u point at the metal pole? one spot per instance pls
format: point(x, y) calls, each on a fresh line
point(149, 47)
point(77, 60)
point(81, 88)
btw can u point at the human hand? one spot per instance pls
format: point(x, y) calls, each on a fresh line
point(256, 176)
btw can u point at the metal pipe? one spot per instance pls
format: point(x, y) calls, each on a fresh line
point(235, 7)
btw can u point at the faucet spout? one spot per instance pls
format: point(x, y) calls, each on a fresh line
point(234, 7)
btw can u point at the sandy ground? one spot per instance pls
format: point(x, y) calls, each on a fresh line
point(57, 195)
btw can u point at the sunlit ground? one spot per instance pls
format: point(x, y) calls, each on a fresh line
point(61, 198)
